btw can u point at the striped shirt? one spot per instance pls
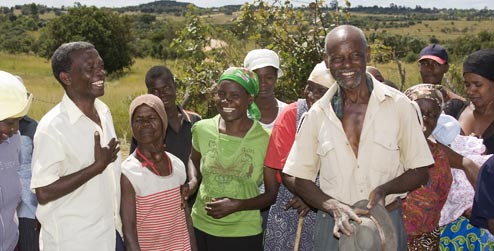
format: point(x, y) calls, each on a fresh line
point(160, 219)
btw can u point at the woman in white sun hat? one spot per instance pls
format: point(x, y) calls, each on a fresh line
point(266, 64)
point(14, 104)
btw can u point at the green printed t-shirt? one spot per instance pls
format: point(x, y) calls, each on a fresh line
point(230, 167)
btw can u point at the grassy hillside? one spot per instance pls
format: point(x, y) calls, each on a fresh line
point(37, 75)
point(47, 92)
point(442, 29)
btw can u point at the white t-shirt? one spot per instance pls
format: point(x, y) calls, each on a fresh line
point(85, 219)
point(146, 183)
point(281, 105)
point(160, 219)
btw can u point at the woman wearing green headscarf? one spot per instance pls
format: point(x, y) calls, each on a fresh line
point(228, 152)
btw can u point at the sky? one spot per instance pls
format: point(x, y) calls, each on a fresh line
point(460, 4)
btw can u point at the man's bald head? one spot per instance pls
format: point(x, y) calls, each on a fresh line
point(344, 33)
point(346, 55)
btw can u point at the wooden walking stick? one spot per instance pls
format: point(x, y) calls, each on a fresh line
point(298, 235)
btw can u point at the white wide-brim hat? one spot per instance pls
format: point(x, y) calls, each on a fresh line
point(14, 98)
point(375, 233)
point(260, 58)
point(322, 76)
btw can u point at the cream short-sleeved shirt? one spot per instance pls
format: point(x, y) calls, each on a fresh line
point(85, 219)
point(391, 142)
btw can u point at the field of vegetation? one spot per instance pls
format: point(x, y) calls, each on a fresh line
point(442, 29)
point(119, 92)
point(181, 39)
point(38, 78)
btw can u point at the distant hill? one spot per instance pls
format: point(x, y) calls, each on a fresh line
point(174, 8)
point(160, 6)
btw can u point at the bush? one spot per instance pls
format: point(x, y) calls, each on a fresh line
point(106, 30)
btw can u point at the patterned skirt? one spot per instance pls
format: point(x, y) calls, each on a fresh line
point(425, 241)
point(461, 235)
point(282, 226)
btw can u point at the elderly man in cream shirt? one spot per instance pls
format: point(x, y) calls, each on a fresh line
point(76, 160)
point(365, 140)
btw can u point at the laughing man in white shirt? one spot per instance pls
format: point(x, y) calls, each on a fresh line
point(76, 159)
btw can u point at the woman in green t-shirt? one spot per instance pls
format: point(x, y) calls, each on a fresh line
point(228, 152)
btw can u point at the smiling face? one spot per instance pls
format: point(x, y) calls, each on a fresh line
point(267, 81)
point(8, 127)
point(313, 92)
point(346, 56)
point(147, 125)
point(86, 77)
point(232, 100)
point(430, 113)
point(479, 90)
point(164, 88)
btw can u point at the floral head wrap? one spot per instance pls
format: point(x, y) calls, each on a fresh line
point(426, 91)
point(248, 80)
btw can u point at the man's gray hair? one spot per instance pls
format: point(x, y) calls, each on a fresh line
point(61, 60)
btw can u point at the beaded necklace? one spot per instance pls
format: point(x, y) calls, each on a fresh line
point(147, 162)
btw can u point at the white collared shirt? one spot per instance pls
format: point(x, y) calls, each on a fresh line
point(85, 219)
point(391, 142)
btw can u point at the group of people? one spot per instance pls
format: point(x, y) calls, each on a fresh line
point(262, 174)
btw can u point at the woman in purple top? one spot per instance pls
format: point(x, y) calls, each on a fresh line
point(14, 104)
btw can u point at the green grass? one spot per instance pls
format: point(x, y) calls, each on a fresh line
point(48, 15)
point(220, 18)
point(47, 92)
point(442, 29)
point(390, 71)
point(412, 75)
point(38, 79)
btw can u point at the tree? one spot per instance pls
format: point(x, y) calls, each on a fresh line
point(205, 62)
point(14, 37)
point(296, 34)
point(106, 30)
